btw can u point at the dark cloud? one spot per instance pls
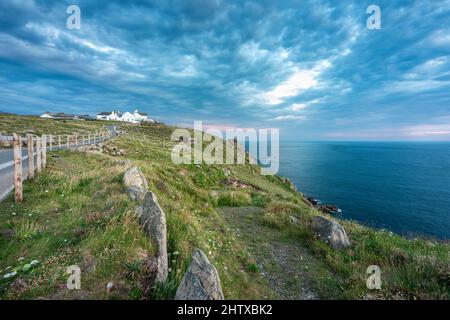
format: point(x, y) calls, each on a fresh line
point(310, 67)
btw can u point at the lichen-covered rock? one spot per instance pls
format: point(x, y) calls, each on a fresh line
point(135, 183)
point(330, 232)
point(201, 280)
point(153, 221)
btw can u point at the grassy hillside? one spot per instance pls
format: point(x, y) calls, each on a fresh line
point(33, 124)
point(240, 219)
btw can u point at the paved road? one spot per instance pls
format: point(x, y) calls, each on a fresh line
point(7, 174)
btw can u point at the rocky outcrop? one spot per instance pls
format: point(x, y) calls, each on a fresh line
point(201, 281)
point(329, 208)
point(102, 148)
point(289, 183)
point(125, 163)
point(135, 184)
point(330, 232)
point(153, 220)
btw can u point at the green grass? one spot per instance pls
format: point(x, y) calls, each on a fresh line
point(75, 212)
point(86, 218)
point(10, 124)
point(411, 269)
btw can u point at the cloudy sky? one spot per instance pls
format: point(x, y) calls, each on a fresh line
point(311, 68)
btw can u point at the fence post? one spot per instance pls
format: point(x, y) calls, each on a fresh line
point(30, 156)
point(17, 168)
point(38, 154)
point(44, 151)
point(51, 142)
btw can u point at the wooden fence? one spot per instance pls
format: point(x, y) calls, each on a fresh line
point(36, 155)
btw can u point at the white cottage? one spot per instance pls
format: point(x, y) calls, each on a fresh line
point(134, 117)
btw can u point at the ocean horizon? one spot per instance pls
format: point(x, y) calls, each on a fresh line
point(401, 186)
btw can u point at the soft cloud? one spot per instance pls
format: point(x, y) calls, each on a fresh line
point(298, 81)
point(428, 130)
point(289, 117)
point(298, 106)
point(234, 63)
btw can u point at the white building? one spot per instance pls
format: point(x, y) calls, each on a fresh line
point(134, 117)
point(65, 116)
point(47, 115)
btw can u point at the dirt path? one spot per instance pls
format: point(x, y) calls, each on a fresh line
point(287, 266)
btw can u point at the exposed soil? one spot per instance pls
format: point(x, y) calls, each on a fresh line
point(284, 263)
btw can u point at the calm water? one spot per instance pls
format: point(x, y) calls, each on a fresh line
point(400, 186)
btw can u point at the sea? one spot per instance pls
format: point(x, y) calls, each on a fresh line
point(403, 187)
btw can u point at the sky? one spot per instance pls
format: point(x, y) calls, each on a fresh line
point(313, 69)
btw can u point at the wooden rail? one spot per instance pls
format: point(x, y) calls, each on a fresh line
point(36, 155)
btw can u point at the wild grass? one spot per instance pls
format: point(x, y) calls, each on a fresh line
point(76, 212)
point(411, 268)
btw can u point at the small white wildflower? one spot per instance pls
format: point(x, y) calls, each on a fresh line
point(13, 213)
point(20, 259)
point(109, 285)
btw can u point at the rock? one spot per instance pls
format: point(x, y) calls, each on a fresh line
point(149, 269)
point(201, 281)
point(161, 186)
point(7, 234)
point(233, 182)
point(328, 208)
point(315, 202)
point(78, 232)
point(135, 184)
point(330, 232)
point(153, 220)
point(126, 163)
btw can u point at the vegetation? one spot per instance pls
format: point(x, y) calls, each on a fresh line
point(255, 230)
